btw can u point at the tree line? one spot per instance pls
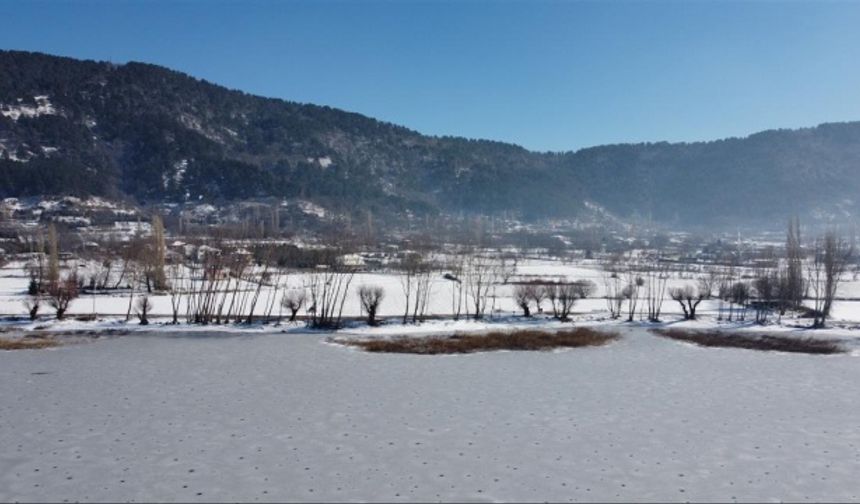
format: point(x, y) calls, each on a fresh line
point(221, 280)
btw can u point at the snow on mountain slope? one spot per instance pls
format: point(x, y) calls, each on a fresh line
point(42, 106)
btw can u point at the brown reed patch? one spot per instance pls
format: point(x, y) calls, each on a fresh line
point(764, 342)
point(28, 343)
point(523, 339)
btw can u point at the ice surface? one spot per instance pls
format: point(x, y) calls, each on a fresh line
point(274, 417)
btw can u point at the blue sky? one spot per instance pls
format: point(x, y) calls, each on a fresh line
point(545, 75)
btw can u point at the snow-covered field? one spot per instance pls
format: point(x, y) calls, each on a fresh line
point(275, 417)
point(13, 286)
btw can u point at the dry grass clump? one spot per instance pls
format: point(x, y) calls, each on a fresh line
point(766, 342)
point(28, 343)
point(525, 339)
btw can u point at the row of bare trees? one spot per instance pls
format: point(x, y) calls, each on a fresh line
point(142, 259)
point(562, 296)
point(227, 285)
point(633, 287)
point(47, 283)
point(223, 283)
point(814, 275)
point(777, 287)
point(327, 287)
point(474, 279)
point(416, 271)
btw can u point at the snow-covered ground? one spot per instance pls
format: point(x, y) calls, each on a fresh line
point(275, 417)
point(14, 280)
point(113, 307)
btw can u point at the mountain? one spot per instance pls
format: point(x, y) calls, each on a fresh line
point(154, 135)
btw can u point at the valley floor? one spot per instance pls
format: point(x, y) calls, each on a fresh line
point(273, 417)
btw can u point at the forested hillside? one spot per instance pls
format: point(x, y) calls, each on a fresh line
point(154, 135)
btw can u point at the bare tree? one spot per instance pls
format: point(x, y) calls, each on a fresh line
point(656, 282)
point(481, 274)
point(142, 309)
point(782, 294)
point(53, 276)
point(630, 292)
point(370, 297)
point(128, 255)
point(689, 298)
point(538, 295)
point(235, 266)
point(206, 278)
point(724, 290)
point(328, 286)
point(552, 296)
point(505, 269)
point(415, 275)
point(260, 279)
point(62, 293)
point(523, 295)
point(817, 283)
point(793, 288)
point(36, 271)
point(456, 268)
point(837, 253)
point(614, 294)
point(709, 282)
point(409, 268)
point(423, 288)
point(133, 272)
point(33, 303)
point(740, 295)
point(272, 294)
point(566, 295)
point(157, 257)
point(766, 286)
point(584, 288)
point(294, 300)
point(824, 273)
point(103, 274)
point(176, 287)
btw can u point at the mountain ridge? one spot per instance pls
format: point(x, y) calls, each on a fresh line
point(154, 134)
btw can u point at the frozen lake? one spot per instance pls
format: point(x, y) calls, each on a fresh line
point(274, 417)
